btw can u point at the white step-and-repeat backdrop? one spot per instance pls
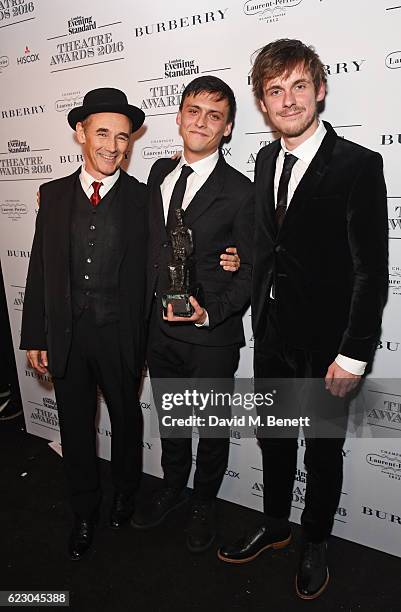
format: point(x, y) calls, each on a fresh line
point(51, 53)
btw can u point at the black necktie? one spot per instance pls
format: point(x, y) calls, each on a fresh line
point(176, 197)
point(282, 192)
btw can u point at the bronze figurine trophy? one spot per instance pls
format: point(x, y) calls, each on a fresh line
point(181, 271)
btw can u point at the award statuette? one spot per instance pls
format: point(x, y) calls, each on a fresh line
point(181, 271)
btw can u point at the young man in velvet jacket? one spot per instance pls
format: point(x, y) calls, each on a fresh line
point(319, 288)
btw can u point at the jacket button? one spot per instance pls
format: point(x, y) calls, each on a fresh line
point(67, 331)
point(156, 266)
point(165, 245)
point(277, 248)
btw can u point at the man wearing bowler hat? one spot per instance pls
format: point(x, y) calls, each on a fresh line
point(83, 307)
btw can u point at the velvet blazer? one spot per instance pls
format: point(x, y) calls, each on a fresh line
point(328, 261)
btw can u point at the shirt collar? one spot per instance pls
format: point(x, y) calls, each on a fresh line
point(203, 166)
point(308, 149)
point(87, 179)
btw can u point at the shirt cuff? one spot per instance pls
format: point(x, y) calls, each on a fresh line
point(354, 366)
point(205, 322)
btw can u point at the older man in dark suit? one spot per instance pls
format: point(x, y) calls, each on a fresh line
point(319, 288)
point(83, 311)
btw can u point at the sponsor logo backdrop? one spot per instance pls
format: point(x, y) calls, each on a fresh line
point(51, 54)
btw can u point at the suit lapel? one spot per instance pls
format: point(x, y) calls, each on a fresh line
point(265, 190)
point(309, 184)
point(62, 217)
point(206, 195)
point(156, 200)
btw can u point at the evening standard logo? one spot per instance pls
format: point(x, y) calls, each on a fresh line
point(81, 24)
point(395, 280)
point(18, 146)
point(393, 60)
point(68, 101)
point(161, 148)
point(179, 23)
point(179, 68)
point(28, 58)
point(49, 402)
point(13, 10)
point(13, 209)
point(270, 11)
point(388, 463)
point(4, 63)
point(25, 160)
point(88, 45)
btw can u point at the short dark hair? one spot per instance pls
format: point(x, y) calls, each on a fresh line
point(280, 57)
point(213, 85)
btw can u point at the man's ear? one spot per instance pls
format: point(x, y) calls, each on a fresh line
point(262, 106)
point(228, 129)
point(79, 128)
point(178, 118)
point(321, 92)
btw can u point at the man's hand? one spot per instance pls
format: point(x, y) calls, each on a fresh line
point(38, 361)
point(340, 382)
point(199, 316)
point(230, 260)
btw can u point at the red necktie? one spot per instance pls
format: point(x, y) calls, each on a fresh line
point(95, 197)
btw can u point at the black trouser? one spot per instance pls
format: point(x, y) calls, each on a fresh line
point(170, 358)
point(323, 460)
point(95, 360)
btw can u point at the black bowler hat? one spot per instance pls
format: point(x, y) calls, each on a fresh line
point(106, 100)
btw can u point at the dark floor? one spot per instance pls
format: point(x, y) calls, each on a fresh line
point(152, 571)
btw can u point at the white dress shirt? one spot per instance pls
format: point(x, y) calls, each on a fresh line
point(305, 152)
point(202, 169)
point(107, 182)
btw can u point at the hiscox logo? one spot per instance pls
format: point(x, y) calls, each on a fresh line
point(13, 209)
point(270, 11)
point(178, 23)
point(68, 101)
point(387, 462)
point(4, 63)
point(161, 147)
point(28, 57)
point(393, 60)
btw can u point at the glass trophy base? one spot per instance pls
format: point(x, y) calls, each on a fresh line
point(182, 307)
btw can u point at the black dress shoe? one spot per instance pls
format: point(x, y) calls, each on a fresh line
point(163, 502)
point(81, 537)
point(313, 573)
point(121, 510)
point(201, 528)
point(252, 545)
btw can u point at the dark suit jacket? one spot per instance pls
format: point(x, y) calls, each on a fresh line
point(329, 259)
point(47, 314)
point(220, 215)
